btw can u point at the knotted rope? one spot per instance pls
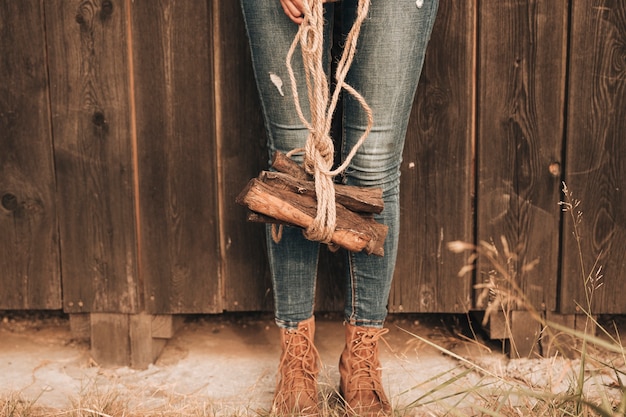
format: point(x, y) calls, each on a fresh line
point(319, 149)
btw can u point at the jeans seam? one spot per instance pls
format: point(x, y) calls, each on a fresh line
point(314, 281)
point(353, 288)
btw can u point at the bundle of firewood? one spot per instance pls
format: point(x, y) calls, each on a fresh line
point(287, 196)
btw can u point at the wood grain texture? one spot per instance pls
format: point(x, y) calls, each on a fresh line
point(178, 183)
point(596, 155)
point(364, 200)
point(110, 339)
point(437, 171)
point(89, 95)
point(353, 231)
point(505, 104)
point(519, 143)
point(242, 155)
point(29, 255)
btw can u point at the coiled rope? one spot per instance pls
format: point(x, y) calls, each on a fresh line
point(319, 148)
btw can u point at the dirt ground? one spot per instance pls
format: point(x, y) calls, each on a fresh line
point(228, 363)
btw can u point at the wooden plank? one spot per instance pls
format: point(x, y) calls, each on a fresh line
point(178, 184)
point(29, 258)
point(80, 326)
point(556, 342)
point(242, 155)
point(142, 352)
point(164, 326)
point(125, 339)
point(596, 156)
point(89, 95)
point(499, 325)
point(437, 178)
point(525, 334)
point(110, 343)
point(519, 143)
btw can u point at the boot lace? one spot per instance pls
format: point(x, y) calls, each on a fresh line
point(298, 364)
point(366, 366)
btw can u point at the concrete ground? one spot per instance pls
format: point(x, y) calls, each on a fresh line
point(227, 364)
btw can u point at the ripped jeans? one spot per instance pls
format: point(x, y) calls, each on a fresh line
point(386, 69)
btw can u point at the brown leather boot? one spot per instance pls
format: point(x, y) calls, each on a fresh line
point(361, 386)
point(296, 392)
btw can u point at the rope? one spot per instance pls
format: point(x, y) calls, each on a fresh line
point(319, 149)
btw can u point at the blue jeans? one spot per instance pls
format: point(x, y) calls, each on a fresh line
point(386, 70)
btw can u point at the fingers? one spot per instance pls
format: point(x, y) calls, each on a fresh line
point(294, 9)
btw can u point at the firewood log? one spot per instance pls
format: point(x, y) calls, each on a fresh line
point(353, 232)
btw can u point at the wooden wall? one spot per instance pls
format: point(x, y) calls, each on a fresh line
point(127, 128)
point(595, 155)
point(29, 238)
point(520, 124)
point(437, 181)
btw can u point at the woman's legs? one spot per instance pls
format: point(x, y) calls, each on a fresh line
point(386, 70)
point(293, 261)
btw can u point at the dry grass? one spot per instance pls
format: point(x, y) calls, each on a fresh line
point(471, 388)
point(95, 403)
point(585, 382)
point(588, 385)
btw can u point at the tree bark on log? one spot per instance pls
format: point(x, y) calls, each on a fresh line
point(357, 199)
point(288, 197)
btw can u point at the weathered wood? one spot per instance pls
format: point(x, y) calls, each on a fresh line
point(89, 97)
point(260, 218)
point(525, 335)
point(177, 156)
point(596, 157)
point(518, 329)
point(498, 325)
point(437, 180)
point(164, 326)
point(241, 144)
point(29, 256)
point(194, 154)
point(80, 326)
point(521, 124)
point(555, 342)
point(352, 232)
point(282, 163)
point(110, 344)
point(127, 339)
point(357, 199)
point(140, 339)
